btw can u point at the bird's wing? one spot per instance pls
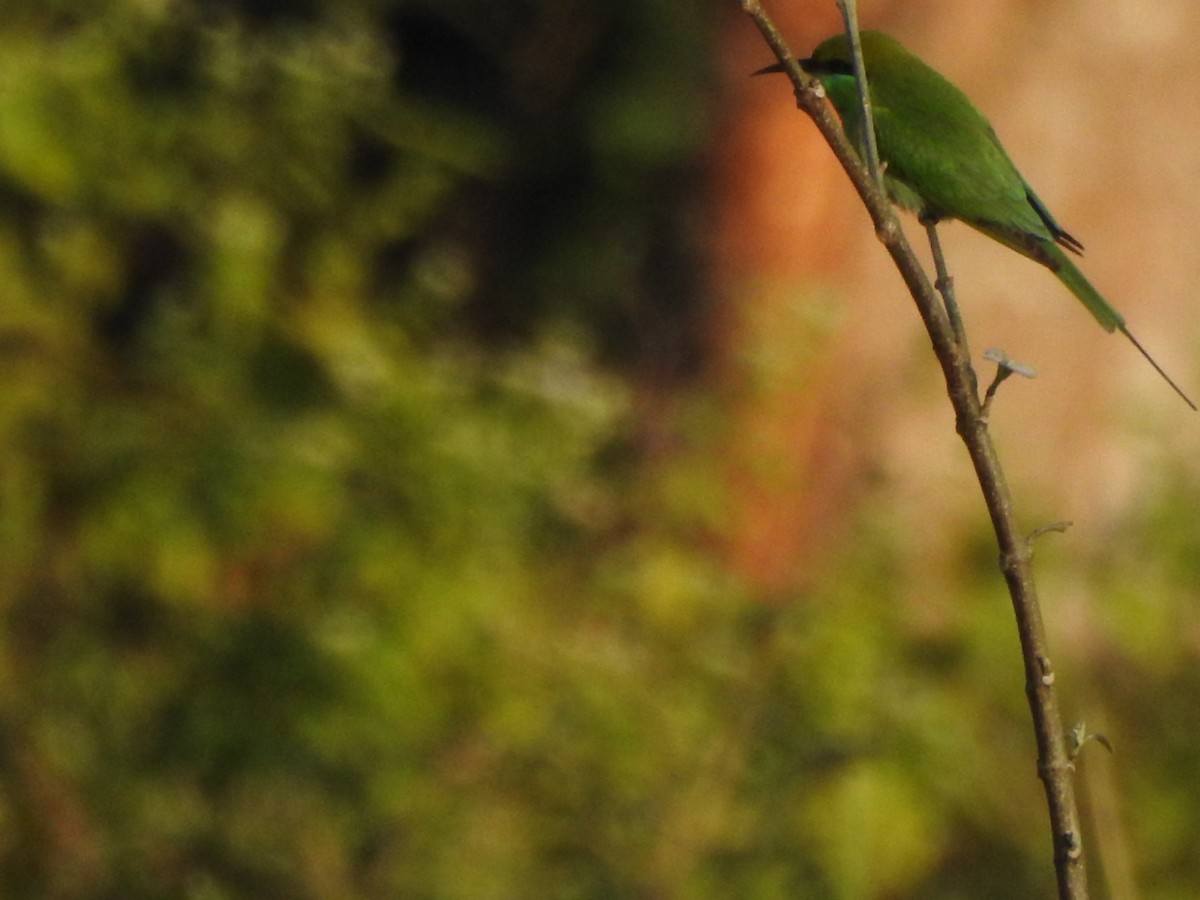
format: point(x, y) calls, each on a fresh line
point(956, 165)
point(1059, 233)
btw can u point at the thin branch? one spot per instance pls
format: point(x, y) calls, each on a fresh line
point(945, 284)
point(1054, 765)
point(1002, 374)
point(870, 148)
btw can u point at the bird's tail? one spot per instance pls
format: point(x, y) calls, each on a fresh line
point(1045, 251)
point(1068, 273)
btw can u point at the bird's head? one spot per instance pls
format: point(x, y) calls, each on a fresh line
point(832, 58)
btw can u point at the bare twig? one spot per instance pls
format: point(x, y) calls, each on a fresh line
point(1005, 367)
point(870, 148)
point(945, 284)
point(1054, 764)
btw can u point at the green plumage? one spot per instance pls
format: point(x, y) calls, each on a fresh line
point(943, 161)
point(943, 158)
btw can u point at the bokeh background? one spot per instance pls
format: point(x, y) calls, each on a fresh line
point(470, 450)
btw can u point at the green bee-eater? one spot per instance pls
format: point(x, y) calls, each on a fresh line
point(942, 160)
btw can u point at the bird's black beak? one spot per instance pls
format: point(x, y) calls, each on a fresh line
point(816, 67)
point(778, 67)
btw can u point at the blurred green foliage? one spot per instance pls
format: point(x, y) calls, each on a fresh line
point(334, 556)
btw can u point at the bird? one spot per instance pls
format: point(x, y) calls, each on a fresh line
point(941, 159)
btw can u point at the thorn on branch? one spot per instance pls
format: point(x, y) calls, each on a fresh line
point(1080, 736)
point(1059, 527)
